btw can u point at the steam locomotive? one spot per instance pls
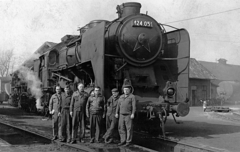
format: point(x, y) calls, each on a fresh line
point(134, 48)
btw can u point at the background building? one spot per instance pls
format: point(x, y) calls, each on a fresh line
point(228, 79)
point(200, 85)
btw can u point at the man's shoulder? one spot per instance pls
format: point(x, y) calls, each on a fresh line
point(90, 98)
point(129, 96)
point(85, 93)
point(132, 95)
point(102, 96)
point(63, 94)
point(122, 96)
point(75, 93)
point(110, 98)
point(78, 93)
point(54, 95)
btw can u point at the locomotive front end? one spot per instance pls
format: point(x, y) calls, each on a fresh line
point(136, 37)
point(155, 61)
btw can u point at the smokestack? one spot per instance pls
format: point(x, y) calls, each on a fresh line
point(130, 8)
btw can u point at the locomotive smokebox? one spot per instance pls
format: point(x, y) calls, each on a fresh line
point(130, 8)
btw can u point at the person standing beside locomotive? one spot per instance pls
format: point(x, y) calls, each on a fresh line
point(64, 111)
point(53, 109)
point(77, 111)
point(96, 109)
point(126, 109)
point(111, 120)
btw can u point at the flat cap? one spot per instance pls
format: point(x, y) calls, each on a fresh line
point(114, 90)
point(127, 86)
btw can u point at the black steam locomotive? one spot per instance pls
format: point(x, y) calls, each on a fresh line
point(133, 48)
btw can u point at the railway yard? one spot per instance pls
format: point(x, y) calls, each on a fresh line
point(199, 131)
point(121, 77)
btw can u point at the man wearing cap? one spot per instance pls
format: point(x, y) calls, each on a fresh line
point(125, 111)
point(111, 120)
point(96, 109)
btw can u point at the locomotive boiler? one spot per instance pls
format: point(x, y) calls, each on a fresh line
point(133, 48)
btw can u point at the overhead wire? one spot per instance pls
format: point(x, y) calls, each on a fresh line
point(204, 16)
point(212, 34)
point(215, 40)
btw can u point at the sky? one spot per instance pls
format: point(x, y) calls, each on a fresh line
point(214, 26)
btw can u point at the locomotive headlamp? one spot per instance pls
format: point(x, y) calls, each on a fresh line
point(170, 92)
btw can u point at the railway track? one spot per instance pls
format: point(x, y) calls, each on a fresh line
point(13, 135)
point(142, 142)
point(170, 145)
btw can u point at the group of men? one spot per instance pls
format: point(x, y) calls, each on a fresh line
point(69, 112)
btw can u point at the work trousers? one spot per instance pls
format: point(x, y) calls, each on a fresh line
point(56, 125)
point(95, 122)
point(66, 124)
point(78, 121)
point(125, 128)
point(111, 123)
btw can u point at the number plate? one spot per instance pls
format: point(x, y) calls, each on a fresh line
point(139, 23)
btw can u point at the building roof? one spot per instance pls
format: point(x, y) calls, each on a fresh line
point(198, 71)
point(223, 71)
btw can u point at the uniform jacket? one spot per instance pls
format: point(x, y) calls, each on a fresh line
point(78, 101)
point(54, 102)
point(112, 105)
point(126, 105)
point(96, 105)
point(65, 102)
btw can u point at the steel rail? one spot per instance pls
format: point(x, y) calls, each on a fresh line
point(179, 146)
point(82, 148)
point(70, 146)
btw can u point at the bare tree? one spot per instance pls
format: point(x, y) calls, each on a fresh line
point(6, 62)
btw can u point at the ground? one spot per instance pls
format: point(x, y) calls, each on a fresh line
point(42, 125)
point(218, 131)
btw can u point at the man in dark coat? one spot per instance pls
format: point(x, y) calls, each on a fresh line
point(77, 111)
point(64, 111)
point(96, 109)
point(126, 109)
point(111, 120)
point(53, 109)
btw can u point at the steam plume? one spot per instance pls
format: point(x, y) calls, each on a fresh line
point(33, 83)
